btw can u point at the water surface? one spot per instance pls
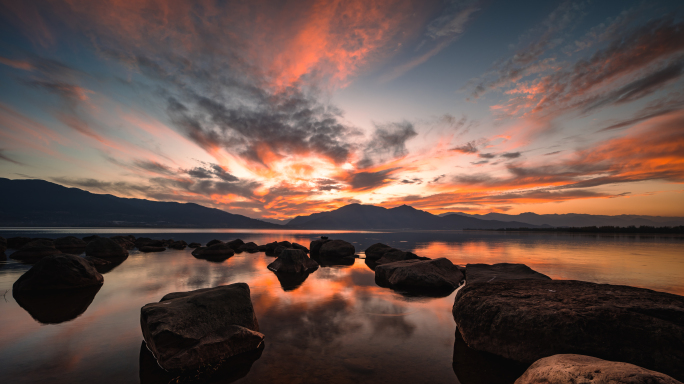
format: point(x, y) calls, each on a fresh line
point(338, 326)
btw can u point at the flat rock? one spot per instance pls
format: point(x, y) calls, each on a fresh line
point(438, 274)
point(293, 261)
point(58, 272)
point(486, 273)
point(105, 248)
point(377, 250)
point(526, 320)
point(561, 369)
point(149, 248)
point(190, 330)
point(35, 250)
point(336, 248)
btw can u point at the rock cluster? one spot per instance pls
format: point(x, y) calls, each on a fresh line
point(438, 275)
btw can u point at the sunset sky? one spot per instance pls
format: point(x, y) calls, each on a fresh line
point(281, 108)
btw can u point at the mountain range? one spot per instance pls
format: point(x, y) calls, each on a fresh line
point(39, 203)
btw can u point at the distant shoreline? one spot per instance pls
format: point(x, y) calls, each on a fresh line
point(678, 230)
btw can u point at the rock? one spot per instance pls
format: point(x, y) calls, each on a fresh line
point(70, 243)
point(124, 241)
point(324, 237)
point(90, 238)
point(146, 241)
point(485, 273)
point(249, 247)
point(437, 275)
point(215, 241)
point(105, 248)
point(376, 251)
point(293, 261)
point(235, 244)
point(191, 330)
point(57, 272)
point(315, 246)
point(214, 252)
point(277, 251)
point(194, 245)
point(35, 250)
point(274, 248)
point(526, 320)
point(395, 255)
point(54, 307)
point(3, 244)
point(336, 248)
point(149, 248)
point(17, 242)
point(299, 246)
point(179, 245)
point(94, 261)
point(561, 369)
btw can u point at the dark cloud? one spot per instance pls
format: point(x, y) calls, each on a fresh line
point(479, 162)
point(328, 185)
point(387, 142)
point(362, 181)
point(511, 155)
point(552, 153)
point(120, 187)
point(154, 167)
point(668, 104)
point(470, 147)
point(7, 158)
point(479, 178)
point(414, 180)
point(437, 179)
point(222, 174)
point(200, 173)
point(486, 155)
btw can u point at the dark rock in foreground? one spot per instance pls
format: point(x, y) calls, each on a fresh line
point(526, 320)
point(438, 275)
point(214, 252)
point(35, 250)
point(561, 369)
point(377, 250)
point(70, 244)
point(54, 307)
point(293, 261)
point(336, 249)
point(59, 272)
point(486, 273)
point(104, 248)
point(191, 330)
point(149, 248)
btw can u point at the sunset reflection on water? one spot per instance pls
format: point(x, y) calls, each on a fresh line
point(338, 326)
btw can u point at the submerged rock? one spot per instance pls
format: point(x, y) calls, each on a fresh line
point(54, 307)
point(438, 275)
point(149, 248)
point(337, 249)
point(105, 248)
point(70, 244)
point(191, 330)
point(214, 252)
point(561, 369)
point(529, 319)
point(57, 272)
point(293, 261)
point(486, 273)
point(35, 250)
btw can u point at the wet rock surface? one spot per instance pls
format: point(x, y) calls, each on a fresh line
point(187, 331)
point(105, 248)
point(377, 250)
point(561, 369)
point(58, 272)
point(529, 319)
point(437, 275)
point(315, 245)
point(336, 249)
point(293, 261)
point(487, 273)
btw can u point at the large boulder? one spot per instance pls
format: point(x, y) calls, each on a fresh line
point(35, 250)
point(105, 248)
point(70, 244)
point(215, 241)
point(377, 250)
point(486, 273)
point(250, 247)
point(336, 249)
point(276, 247)
point(437, 275)
point(235, 244)
point(562, 369)
point(215, 252)
point(526, 320)
point(315, 246)
point(293, 261)
point(58, 272)
point(202, 328)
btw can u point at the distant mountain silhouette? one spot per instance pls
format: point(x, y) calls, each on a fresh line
point(365, 217)
point(578, 220)
point(32, 203)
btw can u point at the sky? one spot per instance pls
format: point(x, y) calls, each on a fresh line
point(274, 109)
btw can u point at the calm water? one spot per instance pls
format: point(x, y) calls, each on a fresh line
point(336, 327)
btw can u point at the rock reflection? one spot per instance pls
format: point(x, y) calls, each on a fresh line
point(471, 366)
point(334, 262)
point(56, 307)
point(230, 371)
point(291, 281)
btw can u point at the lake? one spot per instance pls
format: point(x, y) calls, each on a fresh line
point(338, 326)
